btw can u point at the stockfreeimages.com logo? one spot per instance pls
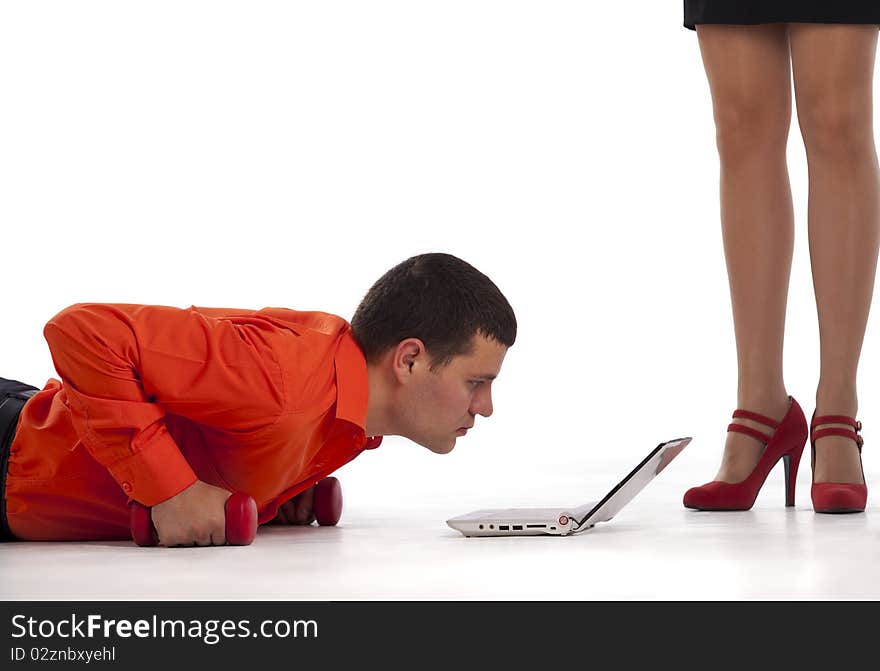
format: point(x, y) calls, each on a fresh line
point(209, 632)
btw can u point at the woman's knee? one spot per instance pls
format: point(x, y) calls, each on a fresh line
point(745, 127)
point(836, 127)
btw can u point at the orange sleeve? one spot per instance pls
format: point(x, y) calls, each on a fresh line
point(125, 366)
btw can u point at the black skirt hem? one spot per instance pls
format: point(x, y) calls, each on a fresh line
point(754, 12)
point(693, 26)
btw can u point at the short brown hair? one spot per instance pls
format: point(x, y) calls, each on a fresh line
point(437, 298)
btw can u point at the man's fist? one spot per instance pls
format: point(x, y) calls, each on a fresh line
point(299, 510)
point(196, 516)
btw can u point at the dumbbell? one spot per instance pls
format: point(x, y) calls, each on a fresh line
point(241, 515)
point(241, 522)
point(327, 504)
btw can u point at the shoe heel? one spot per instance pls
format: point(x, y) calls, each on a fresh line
point(790, 462)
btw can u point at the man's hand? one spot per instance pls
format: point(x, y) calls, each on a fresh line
point(299, 510)
point(196, 516)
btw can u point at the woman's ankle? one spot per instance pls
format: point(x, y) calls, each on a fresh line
point(774, 403)
point(836, 400)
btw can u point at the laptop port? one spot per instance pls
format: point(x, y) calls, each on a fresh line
point(517, 527)
point(503, 527)
point(536, 526)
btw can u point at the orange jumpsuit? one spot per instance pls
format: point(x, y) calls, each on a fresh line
point(151, 398)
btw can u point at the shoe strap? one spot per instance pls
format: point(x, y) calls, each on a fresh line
point(749, 431)
point(755, 417)
point(836, 419)
point(836, 431)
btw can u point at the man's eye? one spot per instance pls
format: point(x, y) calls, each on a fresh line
point(476, 383)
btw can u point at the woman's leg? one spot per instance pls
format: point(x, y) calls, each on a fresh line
point(833, 76)
point(749, 74)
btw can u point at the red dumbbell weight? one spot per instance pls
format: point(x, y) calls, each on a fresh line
point(241, 522)
point(328, 502)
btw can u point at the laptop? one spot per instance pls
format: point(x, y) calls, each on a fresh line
point(566, 521)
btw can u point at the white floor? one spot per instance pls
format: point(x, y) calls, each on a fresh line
point(391, 549)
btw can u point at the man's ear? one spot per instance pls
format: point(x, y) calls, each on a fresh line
point(408, 355)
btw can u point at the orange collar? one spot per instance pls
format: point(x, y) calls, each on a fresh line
point(352, 386)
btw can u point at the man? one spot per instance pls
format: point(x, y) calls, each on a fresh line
point(176, 408)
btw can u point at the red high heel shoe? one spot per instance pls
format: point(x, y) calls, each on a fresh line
point(786, 443)
point(837, 497)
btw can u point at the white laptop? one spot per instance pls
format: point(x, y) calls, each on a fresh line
point(565, 521)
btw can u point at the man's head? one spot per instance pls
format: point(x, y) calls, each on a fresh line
point(434, 331)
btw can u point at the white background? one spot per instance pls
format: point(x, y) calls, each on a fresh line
point(288, 153)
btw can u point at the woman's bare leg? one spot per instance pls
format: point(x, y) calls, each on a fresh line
point(833, 75)
point(749, 74)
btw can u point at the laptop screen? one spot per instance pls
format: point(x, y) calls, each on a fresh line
point(632, 484)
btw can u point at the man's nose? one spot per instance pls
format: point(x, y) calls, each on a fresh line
point(483, 405)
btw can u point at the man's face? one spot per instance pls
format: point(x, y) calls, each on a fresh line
point(438, 407)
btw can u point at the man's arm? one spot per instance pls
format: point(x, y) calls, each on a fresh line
point(126, 366)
